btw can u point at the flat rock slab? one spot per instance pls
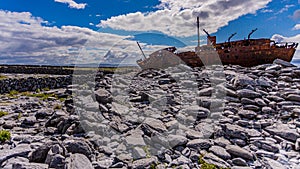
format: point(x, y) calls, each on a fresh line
point(239, 152)
point(21, 150)
point(283, 131)
point(213, 159)
point(199, 143)
point(155, 124)
point(135, 140)
point(274, 164)
point(247, 93)
point(235, 131)
point(220, 152)
point(78, 146)
point(76, 161)
point(143, 163)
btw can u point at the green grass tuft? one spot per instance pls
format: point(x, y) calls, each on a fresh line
point(3, 113)
point(205, 165)
point(147, 151)
point(4, 135)
point(2, 77)
point(13, 92)
point(57, 106)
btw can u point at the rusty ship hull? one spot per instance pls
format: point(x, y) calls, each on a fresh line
point(247, 52)
point(246, 56)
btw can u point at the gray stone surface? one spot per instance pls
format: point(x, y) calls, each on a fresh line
point(212, 159)
point(220, 152)
point(283, 131)
point(199, 143)
point(76, 161)
point(239, 152)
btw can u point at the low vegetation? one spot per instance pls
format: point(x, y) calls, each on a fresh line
point(57, 106)
point(205, 165)
point(3, 77)
point(4, 135)
point(3, 113)
point(147, 151)
point(13, 93)
point(43, 96)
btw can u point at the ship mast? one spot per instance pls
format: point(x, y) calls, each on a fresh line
point(198, 31)
point(141, 49)
point(251, 33)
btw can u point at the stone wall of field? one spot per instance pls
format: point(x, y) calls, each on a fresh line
point(34, 83)
point(54, 70)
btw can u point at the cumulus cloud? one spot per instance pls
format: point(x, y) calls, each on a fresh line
point(72, 4)
point(177, 17)
point(24, 39)
point(281, 38)
point(296, 27)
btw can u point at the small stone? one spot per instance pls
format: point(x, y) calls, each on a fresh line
point(220, 152)
point(267, 110)
point(143, 163)
point(297, 144)
point(177, 140)
point(21, 150)
point(29, 121)
point(180, 161)
point(206, 91)
point(239, 152)
point(155, 124)
point(247, 101)
point(135, 140)
point(283, 131)
point(260, 102)
point(186, 152)
point(293, 97)
point(25, 165)
point(199, 143)
point(235, 131)
point(221, 141)
point(138, 153)
point(283, 63)
point(263, 153)
point(243, 80)
point(57, 162)
point(249, 114)
point(78, 146)
point(105, 163)
point(78, 161)
point(212, 159)
point(193, 134)
point(273, 67)
point(273, 164)
point(39, 155)
point(103, 96)
point(248, 93)
point(239, 162)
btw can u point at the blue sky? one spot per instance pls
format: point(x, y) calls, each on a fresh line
point(68, 31)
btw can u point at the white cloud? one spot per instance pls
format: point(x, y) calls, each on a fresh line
point(281, 38)
point(72, 4)
point(296, 27)
point(177, 17)
point(266, 10)
point(285, 8)
point(24, 39)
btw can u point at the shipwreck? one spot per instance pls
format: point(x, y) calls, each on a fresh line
point(248, 52)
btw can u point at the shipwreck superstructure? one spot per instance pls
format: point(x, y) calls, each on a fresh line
point(247, 52)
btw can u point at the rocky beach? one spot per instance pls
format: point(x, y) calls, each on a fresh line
point(180, 117)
